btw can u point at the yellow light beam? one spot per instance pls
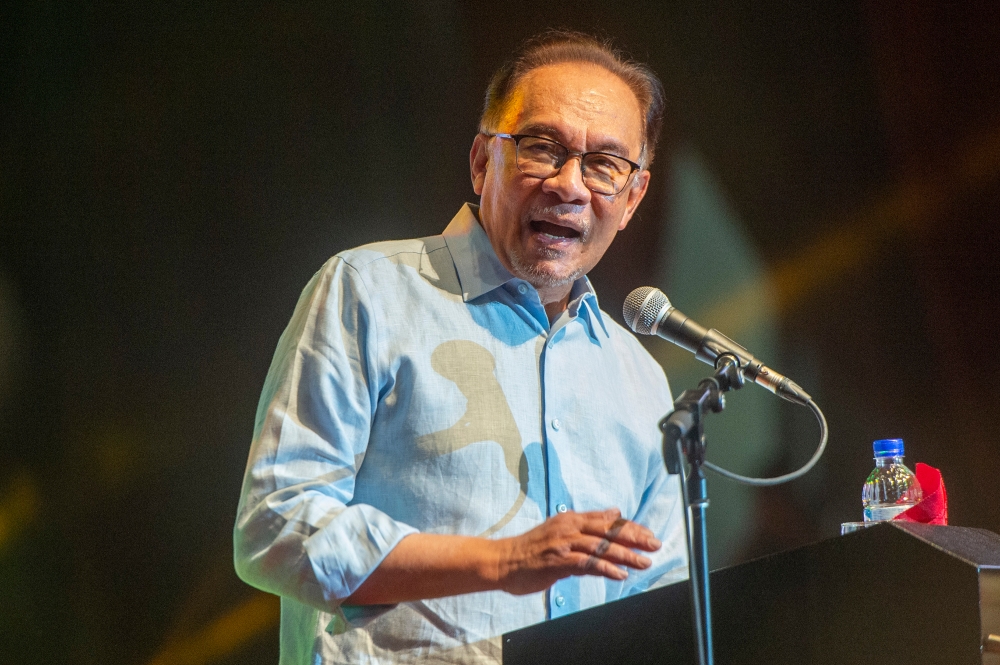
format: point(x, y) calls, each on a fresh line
point(224, 635)
point(907, 210)
point(18, 507)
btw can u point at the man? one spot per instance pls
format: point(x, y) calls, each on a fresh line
point(453, 441)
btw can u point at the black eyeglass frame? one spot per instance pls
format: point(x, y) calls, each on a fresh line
point(569, 154)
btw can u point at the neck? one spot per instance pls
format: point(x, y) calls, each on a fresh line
point(553, 308)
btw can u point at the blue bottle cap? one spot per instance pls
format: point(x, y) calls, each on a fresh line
point(888, 448)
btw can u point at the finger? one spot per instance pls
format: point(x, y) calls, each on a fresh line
point(600, 521)
point(624, 532)
point(592, 565)
point(631, 534)
point(616, 528)
point(602, 548)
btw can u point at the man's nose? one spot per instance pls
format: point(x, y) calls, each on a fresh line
point(568, 182)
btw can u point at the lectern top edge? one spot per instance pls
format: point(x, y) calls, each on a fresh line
point(976, 547)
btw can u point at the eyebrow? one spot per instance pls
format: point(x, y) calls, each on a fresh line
point(548, 131)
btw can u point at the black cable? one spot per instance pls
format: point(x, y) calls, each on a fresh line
point(765, 482)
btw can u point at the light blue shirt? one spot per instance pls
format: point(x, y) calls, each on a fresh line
point(420, 388)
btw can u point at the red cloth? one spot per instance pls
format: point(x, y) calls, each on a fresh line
point(933, 509)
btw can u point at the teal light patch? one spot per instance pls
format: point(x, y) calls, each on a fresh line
point(709, 258)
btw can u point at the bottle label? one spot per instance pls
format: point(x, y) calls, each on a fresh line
point(877, 513)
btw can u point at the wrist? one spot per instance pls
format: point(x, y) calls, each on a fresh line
point(490, 560)
point(500, 563)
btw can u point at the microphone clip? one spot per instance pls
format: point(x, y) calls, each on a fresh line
point(686, 423)
point(728, 372)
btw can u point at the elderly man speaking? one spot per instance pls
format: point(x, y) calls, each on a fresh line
point(453, 440)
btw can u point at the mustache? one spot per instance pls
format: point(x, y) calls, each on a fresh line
point(558, 210)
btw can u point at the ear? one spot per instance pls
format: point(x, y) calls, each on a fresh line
point(479, 158)
point(635, 192)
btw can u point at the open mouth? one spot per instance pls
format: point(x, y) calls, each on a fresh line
point(553, 230)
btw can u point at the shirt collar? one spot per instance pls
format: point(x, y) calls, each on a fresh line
point(583, 303)
point(480, 271)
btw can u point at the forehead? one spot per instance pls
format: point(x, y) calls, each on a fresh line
point(582, 103)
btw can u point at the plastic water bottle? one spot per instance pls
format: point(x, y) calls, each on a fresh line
point(891, 488)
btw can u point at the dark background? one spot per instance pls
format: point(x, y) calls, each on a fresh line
point(173, 173)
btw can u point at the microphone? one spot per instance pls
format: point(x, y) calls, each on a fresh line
point(648, 312)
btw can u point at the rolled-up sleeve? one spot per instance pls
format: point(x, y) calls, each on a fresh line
point(297, 533)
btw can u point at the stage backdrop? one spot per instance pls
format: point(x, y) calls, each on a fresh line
point(173, 173)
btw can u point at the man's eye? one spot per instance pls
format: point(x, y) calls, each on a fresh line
point(540, 150)
point(604, 164)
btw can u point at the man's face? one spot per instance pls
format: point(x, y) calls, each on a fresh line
point(550, 232)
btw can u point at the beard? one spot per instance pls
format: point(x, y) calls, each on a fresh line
point(535, 270)
point(537, 274)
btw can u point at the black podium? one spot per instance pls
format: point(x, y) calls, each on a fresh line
point(893, 593)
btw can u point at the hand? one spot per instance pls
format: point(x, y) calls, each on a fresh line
point(594, 543)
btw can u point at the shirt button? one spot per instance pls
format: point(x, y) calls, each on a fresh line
point(560, 601)
point(522, 288)
point(562, 508)
point(556, 424)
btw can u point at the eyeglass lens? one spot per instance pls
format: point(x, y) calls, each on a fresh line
point(542, 158)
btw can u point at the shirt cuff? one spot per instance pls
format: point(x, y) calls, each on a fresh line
point(345, 552)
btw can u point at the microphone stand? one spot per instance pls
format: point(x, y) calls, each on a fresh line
point(684, 437)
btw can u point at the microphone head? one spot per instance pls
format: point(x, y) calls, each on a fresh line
point(642, 309)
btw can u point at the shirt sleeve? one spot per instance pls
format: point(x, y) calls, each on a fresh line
point(297, 532)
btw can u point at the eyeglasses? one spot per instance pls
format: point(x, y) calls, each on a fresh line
point(602, 172)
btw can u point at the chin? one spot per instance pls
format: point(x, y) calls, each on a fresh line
point(542, 274)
